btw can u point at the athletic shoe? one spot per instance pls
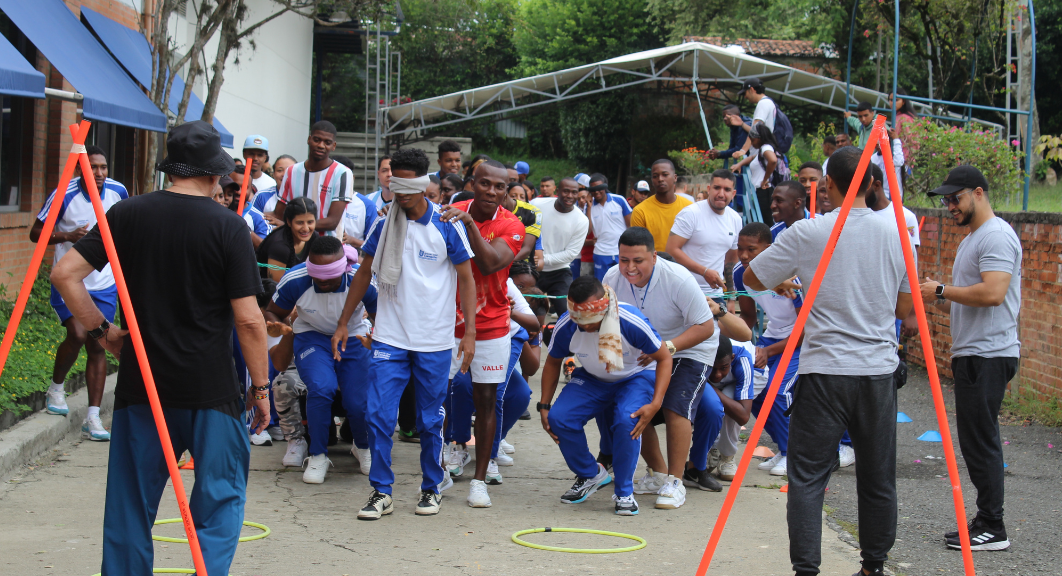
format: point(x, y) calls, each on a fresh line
point(429, 503)
point(727, 468)
point(364, 458)
point(651, 483)
point(275, 433)
point(459, 458)
point(779, 468)
point(93, 430)
point(713, 459)
point(506, 447)
point(672, 494)
point(969, 528)
point(261, 439)
point(605, 460)
point(378, 505)
point(297, 452)
point(846, 455)
point(526, 415)
point(700, 479)
point(408, 435)
point(494, 476)
point(503, 459)
point(316, 468)
point(57, 403)
point(584, 487)
point(625, 506)
point(875, 572)
point(477, 494)
point(982, 538)
point(770, 462)
point(446, 484)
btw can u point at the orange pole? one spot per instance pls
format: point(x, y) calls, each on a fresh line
point(243, 186)
point(129, 318)
point(787, 355)
point(814, 196)
point(931, 362)
point(80, 133)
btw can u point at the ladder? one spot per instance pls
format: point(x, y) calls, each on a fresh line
point(1014, 86)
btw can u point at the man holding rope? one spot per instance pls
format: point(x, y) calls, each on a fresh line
point(195, 278)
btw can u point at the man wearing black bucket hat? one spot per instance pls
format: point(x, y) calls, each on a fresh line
point(984, 298)
point(192, 277)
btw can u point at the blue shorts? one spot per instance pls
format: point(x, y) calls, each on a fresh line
point(602, 264)
point(106, 300)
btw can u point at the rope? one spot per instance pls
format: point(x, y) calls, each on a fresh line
point(272, 267)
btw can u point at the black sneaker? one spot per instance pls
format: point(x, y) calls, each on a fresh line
point(526, 415)
point(408, 435)
point(955, 533)
point(701, 479)
point(982, 538)
point(584, 487)
point(379, 504)
point(626, 506)
point(429, 503)
point(874, 572)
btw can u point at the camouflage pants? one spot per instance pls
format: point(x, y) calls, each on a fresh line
point(288, 387)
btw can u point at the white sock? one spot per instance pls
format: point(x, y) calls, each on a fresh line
point(93, 411)
point(56, 387)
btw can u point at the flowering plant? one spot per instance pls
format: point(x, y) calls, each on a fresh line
point(934, 149)
point(692, 160)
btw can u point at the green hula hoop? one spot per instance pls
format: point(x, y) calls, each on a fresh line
point(641, 543)
point(265, 532)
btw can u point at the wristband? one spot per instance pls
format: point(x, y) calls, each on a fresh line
point(540, 406)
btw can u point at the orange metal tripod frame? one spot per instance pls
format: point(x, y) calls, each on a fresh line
point(244, 184)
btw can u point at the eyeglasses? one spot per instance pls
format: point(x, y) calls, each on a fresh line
point(950, 199)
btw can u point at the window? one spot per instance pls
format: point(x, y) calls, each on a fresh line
point(16, 120)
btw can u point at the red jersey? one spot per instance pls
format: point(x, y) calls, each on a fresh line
point(492, 303)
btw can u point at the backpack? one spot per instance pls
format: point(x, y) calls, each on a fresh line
point(783, 131)
point(781, 170)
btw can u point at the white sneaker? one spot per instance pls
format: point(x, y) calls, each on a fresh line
point(494, 476)
point(379, 504)
point(446, 484)
point(364, 458)
point(651, 483)
point(57, 403)
point(297, 452)
point(779, 468)
point(727, 468)
point(459, 458)
point(316, 468)
point(445, 458)
point(477, 495)
point(275, 433)
point(503, 459)
point(846, 454)
point(770, 462)
point(671, 495)
point(93, 429)
point(261, 439)
point(506, 447)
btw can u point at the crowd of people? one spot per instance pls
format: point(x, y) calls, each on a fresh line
point(418, 312)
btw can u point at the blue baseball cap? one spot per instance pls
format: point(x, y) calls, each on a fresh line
point(522, 168)
point(256, 142)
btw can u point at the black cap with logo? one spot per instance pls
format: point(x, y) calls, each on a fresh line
point(961, 178)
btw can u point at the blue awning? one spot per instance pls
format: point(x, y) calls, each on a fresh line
point(109, 94)
point(133, 52)
point(18, 77)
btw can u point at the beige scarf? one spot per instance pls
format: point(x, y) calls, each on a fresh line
point(387, 265)
point(609, 342)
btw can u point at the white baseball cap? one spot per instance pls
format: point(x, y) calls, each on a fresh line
point(643, 186)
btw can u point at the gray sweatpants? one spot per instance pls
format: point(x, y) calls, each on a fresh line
point(287, 388)
point(823, 408)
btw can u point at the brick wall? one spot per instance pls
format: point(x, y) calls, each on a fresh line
point(1039, 321)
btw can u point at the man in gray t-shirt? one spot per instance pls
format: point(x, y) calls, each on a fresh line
point(846, 365)
point(984, 298)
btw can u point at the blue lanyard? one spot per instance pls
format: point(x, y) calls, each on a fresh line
point(647, 284)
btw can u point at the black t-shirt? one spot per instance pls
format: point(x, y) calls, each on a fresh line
point(184, 258)
point(279, 246)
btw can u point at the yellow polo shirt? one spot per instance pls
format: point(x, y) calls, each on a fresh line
point(658, 217)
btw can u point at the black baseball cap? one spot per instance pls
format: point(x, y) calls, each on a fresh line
point(752, 83)
point(960, 178)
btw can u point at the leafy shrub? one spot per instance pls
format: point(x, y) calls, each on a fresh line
point(693, 161)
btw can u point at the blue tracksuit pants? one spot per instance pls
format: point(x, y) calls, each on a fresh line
point(602, 265)
point(324, 376)
point(391, 371)
point(777, 424)
point(585, 397)
point(137, 475)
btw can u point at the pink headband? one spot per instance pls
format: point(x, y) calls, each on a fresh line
point(335, 269)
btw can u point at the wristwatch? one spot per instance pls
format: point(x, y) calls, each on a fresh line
point(670, 347)
point(940, 291)
point(100, 332)
point(540, 406)
point(721, 314)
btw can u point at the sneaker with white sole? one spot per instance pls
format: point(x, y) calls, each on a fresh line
point(261, 439)
point(779, 468)
point(651, 483)
point(506, 447)
point(446, 484)
point(459, 458)
point(364, 458)
point(477, 494)
point(57, 403)
point(770, 462)
point(494, 476)
point(626, 505)
point(93, 429)
point(275, 433)
point(379, 504)
point(503, 459)
point(316, 468)
point(982, 537)
point(727, 468)
point(700, 479)
point(584, 487)
point(672, 494)
point(846, 455)
point(428, 504)
point(297, 452)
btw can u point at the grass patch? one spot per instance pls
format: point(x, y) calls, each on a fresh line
point(540, 167)
point(1027, 407)
point(847, 526)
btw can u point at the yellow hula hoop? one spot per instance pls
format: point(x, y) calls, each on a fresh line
point(265, 532)
point(641, 543)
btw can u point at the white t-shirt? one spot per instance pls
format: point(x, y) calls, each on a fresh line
point(563, 235)
point(708, 237)
point(898, 161)
point(887, 214)
point(757, 170)
point(519, 304)
point(263, 182)
point(686, 196)
point(766, 111)
point(610, 221)
point(77, 211)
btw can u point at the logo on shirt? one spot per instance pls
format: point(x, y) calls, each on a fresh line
point(576, 381)
point(307, 352)
point(381, 354)
point(496, 368)
point(430, 256)
point(309, 310)
point(517, 237)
